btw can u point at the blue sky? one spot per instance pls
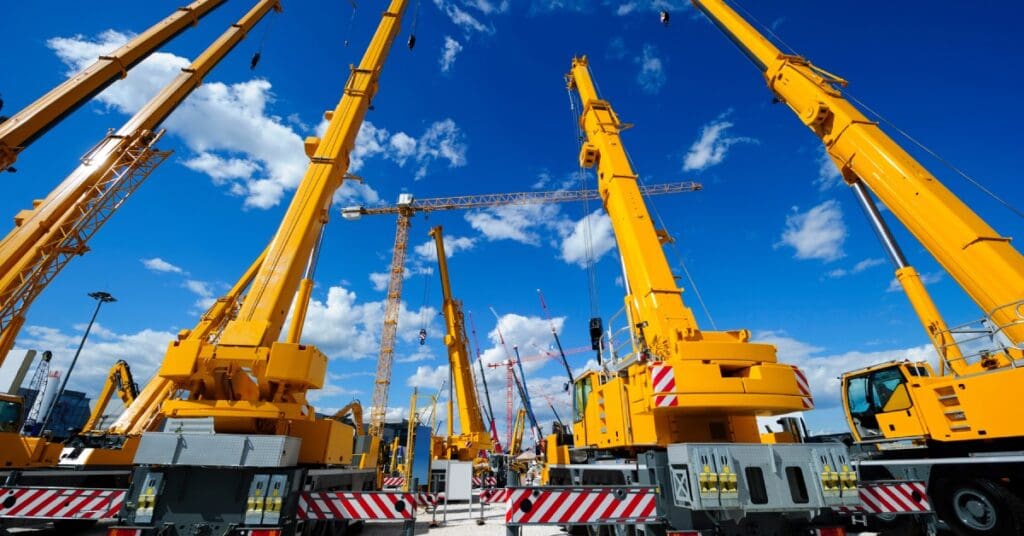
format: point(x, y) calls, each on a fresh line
point(480, 106)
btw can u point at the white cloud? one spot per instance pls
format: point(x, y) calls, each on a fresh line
point(713, 145)
point(857, 268)
point(159, 265)
point(380, 280)
point(638, 6)
point(343, 328)
point(449, 51)
point(443, 141)
point(652, 71)
point(616, 48)
point(422, 353)
point(427, 377)
point(828, 174)
point(143, 350)
point(598, 227)
point(926, 279)
point(818, 233)
point(233, 136)
point(468, 22)
point(521, 223)
point(203, 291)
point(824, 369)
point(427, 251)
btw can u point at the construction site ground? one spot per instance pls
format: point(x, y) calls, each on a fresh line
point(459, 521)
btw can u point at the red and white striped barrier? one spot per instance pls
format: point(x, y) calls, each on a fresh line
point(580, 506)
point(894, 498)
point(663, 381)
point(805, 388)
point(358, 506)
point(493, 496)
point(394, 481)
point(427, 499)
point(488, 481)
point(55, 503)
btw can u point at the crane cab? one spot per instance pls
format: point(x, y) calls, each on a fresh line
point(880, 401)
point(10, 413)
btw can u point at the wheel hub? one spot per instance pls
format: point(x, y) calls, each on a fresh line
point(974, 510)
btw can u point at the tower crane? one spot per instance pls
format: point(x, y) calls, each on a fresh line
point(240, 418)
point(58, 228)
point(408, 206)
point(951, 424)
point(20, 130)
point(473, 436)
point(684, 402)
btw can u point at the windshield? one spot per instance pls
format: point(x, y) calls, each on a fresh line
point(10, 416)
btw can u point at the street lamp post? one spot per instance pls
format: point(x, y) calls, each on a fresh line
point(101, 298)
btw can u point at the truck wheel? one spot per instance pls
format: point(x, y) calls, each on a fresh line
point(980, 507)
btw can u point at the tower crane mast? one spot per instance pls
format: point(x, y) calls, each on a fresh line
point(21, 129)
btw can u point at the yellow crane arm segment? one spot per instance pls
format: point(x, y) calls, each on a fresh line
point(119, 379)
point(29, 253)
point(21, 129)
point(979, 259)
point(470, 420)
point(263, 313)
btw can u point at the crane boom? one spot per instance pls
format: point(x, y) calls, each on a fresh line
point(119, 380)
point(980, 260)
point(21, 129)
point(57, 228)
point(473, 436)
point(711, 383)
point(246, 380)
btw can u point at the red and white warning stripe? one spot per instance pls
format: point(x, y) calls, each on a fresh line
point(426, 499)
point(479, 482)
point(663, 381)
point(894, 498)
point(805, 388)
point(565, 506)
point(394, 481)
point(367, 505)
point(495, 495)
point(55, 503)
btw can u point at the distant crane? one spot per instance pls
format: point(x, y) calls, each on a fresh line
point(405, 209)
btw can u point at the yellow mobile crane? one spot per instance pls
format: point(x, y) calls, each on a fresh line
point(58, 228)
point(240, 419)
point(24, 127)
point(119, 380)
point(473, 437)
point(952, 425)
point(682, 403)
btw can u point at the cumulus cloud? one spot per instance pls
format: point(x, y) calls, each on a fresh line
point(856, 269)
point(452, 245)
point(157, 264)
point(823, 369)
point(442, 141)
point(828, 174)
point(818, 233)
point(233, 136)
point(449, 50)
point(652, 71)
point(578, 250)
point(427, 377)
point(713, 145)
point(466, 14)
point(522, 223)
point(344, 328)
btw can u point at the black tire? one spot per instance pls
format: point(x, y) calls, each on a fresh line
point(979, 507)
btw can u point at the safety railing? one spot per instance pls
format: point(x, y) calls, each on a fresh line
point(982, 339)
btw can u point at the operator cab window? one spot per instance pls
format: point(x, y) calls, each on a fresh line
point(581, 391)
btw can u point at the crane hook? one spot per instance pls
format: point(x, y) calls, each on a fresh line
point(412, 41)
point(664, 17)
point(254, 61)
point(423, 336)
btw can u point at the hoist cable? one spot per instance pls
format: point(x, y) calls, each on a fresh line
point(938, 157)
point(581, 176)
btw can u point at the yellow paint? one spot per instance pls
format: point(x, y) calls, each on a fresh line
point(722, 381)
